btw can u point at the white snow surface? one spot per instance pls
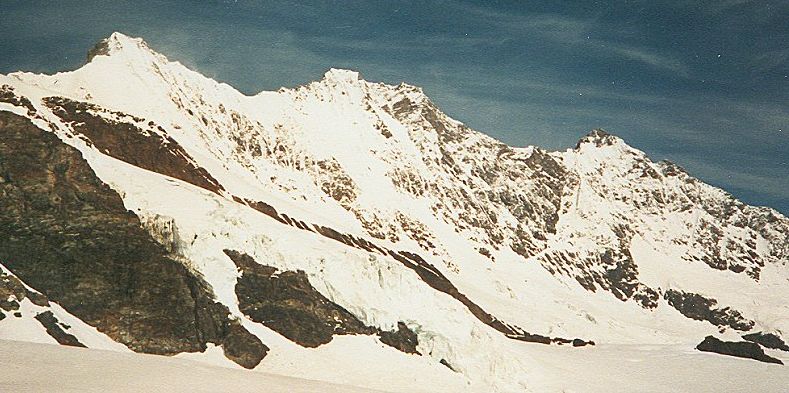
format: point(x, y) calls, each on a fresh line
point(383, 163)
point(33, 367)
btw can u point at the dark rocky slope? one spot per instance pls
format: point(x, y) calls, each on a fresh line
point(67, 234)
point(13, 292)
point(145, 145)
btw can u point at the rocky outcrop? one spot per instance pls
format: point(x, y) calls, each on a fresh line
point(403, 339)
point(13, 292)
point(129, 139)
point(741, 349)
point(612, 270)
point(8, 96)
point(102, 48)
point(286, 302)
point(446, 364)
point(67, 234)
point(598, 137)
point(623, 281)
point(767, 340)
point(57, 330)
point(700, 308)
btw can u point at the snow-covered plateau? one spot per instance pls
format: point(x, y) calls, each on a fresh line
point(349, 233)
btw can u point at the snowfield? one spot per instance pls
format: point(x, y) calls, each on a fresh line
point(33, 367)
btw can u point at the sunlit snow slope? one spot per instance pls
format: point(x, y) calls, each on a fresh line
point(356, 234)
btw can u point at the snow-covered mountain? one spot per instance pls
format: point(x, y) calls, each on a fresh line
point(351, 232)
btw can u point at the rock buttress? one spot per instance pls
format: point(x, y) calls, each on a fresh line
point(67, 234)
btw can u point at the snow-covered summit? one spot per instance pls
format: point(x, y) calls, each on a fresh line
point(118, 43)
point(342, 75)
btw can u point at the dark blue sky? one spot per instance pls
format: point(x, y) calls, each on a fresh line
point(702, 83)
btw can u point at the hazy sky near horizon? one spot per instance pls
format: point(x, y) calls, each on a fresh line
point(702, 83)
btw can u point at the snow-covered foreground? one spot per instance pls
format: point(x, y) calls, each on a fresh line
point(34, 367)
point(652, 368)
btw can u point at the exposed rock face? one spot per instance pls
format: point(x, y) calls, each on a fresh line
point(100, 49)
point(8, 96)
point(403, 339)
point(623, 282)
point(13, 292)
point(288, 304)
point(127, 138)
point(612, 269)
point(476, 180)
point(599, 137)
point(67, 234)
point(56, 330)
point(739, 349)
point(767, 340)
point(9, 305)
point(701, 308)
point(238, 344)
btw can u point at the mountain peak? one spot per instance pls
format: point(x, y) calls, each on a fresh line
point(342, 75)
point(115, 43)
point(598, 137)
